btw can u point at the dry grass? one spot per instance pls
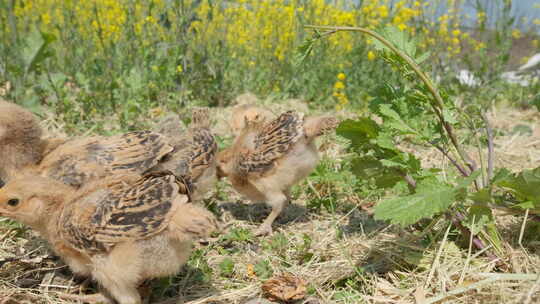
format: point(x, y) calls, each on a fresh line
point(345, 256)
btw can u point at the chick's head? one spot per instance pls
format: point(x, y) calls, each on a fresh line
point(31, 199)
point(244, 114)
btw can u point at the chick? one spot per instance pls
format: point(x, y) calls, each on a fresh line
point(78, 161)
point(119, 230)
point(75, 161)
point(267, 159)
point(248, 112)
point(194, 154)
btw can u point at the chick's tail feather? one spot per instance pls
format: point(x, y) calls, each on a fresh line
point(191, 222)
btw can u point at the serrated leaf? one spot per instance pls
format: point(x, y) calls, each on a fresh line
point(482, 196)
point(525, 185)
point(479, 215)
point(303, 51)
point(400, 39)
point(431, 197)
point(395, 120)
point(423, 57)
point(358, 131)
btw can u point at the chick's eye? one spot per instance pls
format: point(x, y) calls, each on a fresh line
point(13, 202)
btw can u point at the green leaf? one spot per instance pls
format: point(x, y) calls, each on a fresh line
point(525, 185)
point(423, 57)
point(263, 269)
point(479, 215)
point(395, 120)
point(37, 49)
point(226, 267)
point(400, 39)
point(358, 131)
point(431, 197)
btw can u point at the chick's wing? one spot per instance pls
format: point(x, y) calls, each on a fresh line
point(272, 142)
point(120, 209)
point(79, 161)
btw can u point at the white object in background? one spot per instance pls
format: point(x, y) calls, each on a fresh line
point(531, 63)
point(513, 78)
point(465, 77)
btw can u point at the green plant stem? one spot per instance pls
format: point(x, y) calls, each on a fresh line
point(439, 103)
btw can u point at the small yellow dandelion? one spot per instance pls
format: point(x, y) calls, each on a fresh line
point(341, 76)
point(371, 55)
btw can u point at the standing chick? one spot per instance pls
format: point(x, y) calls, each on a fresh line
point(267, 159)
point(120, 230)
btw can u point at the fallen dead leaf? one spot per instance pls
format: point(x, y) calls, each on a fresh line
point(285, 287)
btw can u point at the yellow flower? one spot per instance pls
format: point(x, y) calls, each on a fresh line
point(371, 56)
point(402, 26)
point(516, 34)
point(341, 76)
point(456, 32)
point(339, 85)
point(179, 69)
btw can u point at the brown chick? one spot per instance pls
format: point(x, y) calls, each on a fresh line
point(267, 159)
point(78, 161)
point(194, 154)
point(120, 230)
point(248, 112)
point(74, 161)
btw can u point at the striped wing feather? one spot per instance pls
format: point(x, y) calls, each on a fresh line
point(82, 160)
point(119, 211)
point(271, 143)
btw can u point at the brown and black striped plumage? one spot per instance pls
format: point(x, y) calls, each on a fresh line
point(119, 230)
point(194, 152)
point(79, 161)
point(118, 211)
point(271, 141)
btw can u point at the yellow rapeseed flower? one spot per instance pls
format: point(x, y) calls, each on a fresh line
point(339, 85)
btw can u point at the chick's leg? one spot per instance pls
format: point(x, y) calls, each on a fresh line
point(277, 201)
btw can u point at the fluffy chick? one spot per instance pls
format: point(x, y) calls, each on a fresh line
point(120, 230)
point(248, 112)
point(194, 154)
point(267, 159)
point(78, 161)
